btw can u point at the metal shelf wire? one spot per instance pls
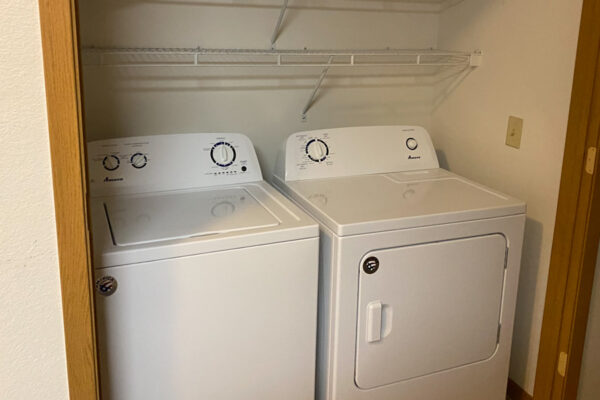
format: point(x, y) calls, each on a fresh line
point(186, 57)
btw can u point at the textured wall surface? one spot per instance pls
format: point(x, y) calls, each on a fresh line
point(32, 352)
point(529, 56)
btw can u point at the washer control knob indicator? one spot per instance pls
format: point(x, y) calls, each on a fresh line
point(412, 144)
point(317, 150)
point(139, 160)
point(111, 163)
point(222, 154)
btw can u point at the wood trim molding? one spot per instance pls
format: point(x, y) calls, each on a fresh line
point(516, 392)
point(63, 96)
point(581, 275)
point(574, 247)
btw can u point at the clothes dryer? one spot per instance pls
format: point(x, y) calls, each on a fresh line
point(419, 267)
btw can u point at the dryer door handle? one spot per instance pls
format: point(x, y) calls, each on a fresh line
point(374, 311)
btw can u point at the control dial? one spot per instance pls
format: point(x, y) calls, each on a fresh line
point(139, 160)
point(317, 150)
point(412, 144)
point(111, 163)
point(222, 154)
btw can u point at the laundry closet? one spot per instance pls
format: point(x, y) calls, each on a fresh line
point(269, 68)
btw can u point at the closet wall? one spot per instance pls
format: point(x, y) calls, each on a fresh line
point(529, 51)
point(262, 102)
point(528, 67)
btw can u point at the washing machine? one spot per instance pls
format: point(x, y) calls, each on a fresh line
point(205, 276)
point(418, 266)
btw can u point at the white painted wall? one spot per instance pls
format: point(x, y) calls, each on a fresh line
point(32, 352)
point(589, 380)
point(528, 66)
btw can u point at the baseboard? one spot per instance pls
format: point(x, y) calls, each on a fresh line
point(516, 392)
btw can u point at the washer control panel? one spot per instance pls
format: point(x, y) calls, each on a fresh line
point(170, 162)
point(328, 153)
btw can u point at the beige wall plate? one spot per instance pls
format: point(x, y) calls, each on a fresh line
point(514, 132)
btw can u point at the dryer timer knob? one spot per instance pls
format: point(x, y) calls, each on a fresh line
point(317, 150)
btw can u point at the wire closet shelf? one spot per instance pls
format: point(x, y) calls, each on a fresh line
point(199, 57)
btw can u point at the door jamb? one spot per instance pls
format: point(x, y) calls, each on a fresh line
point(575, 242)
point(58, 21)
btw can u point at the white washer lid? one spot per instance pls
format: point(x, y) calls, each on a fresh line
point(163, 216)
point(183, 224)
point(379, 202)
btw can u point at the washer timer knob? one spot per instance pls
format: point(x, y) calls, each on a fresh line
point(222, 154)
point(411, 143)
point(317, 150)
point(110, 163)
point(139, 160)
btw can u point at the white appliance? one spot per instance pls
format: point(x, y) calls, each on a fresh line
point(418, 267)
point(206, 277)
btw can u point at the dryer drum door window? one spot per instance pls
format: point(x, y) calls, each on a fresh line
point(428, 308)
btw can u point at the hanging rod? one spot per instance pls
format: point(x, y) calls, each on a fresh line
point(175, 57)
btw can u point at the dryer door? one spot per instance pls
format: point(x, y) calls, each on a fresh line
point(427, 308)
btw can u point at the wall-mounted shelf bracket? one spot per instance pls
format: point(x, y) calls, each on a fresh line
point(311, 99)
point(275, 34)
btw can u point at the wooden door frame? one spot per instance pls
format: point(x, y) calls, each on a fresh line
point(575, 242)
point(573, 251)
point(58, 20)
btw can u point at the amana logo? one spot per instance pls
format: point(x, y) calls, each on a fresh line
point(414, 158)
point(107, 179)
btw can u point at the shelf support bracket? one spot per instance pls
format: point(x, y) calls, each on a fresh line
point(311, 99)
point(275, 34)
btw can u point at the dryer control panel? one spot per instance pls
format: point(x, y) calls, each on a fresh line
point(170, 162)
point(339, 152)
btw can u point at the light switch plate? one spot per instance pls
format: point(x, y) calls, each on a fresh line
point(514, 132)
